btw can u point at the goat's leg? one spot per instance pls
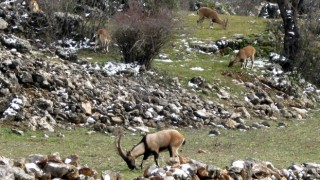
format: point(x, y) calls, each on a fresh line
point(145, 157)
point(156, 156)
point(171, 151)
point(95, 45)
point(252, 60)
point(210, 24)
point(104, 46)
point(141, 165)
point(200, 21)
point(107, 46)
point(246, 62)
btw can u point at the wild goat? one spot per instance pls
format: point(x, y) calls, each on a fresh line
point(205, 12)
point(243, 55)
point(103, 38)
point(152, 144)
point(34, 6)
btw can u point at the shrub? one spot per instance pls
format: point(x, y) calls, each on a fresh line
point(74, 19)
point(140, 34)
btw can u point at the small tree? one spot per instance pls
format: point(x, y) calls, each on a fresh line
point(140, 34)
point(289, 12)
point(301, 38)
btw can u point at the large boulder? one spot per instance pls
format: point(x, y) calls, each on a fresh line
point(270, 10)
point(12, 41)
point(3, 24)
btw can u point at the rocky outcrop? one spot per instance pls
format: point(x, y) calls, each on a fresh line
point(41, 94)
point(12, 41)
point(239, 169)
point(269, 10)
point(52, 166)
point(3, 24)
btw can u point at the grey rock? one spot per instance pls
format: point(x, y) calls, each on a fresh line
point(12, 41)
point(3, 24)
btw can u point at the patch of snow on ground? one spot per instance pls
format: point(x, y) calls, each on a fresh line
point(112, 68)
point(309, 88)
point(190, 84)
point(9, 1)
point(163, 60)
point(72, 45)
point(197, 69)
point(261, 63)
point(15, 106)
point(163, 56)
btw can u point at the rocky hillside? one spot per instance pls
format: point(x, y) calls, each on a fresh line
point(45, 93)
point(40, 93)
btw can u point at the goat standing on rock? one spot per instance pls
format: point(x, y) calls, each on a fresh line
point(212, 15)
point(243, 55)
point(152, 144)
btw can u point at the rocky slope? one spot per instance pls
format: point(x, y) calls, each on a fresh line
point(45, 94)
point(42, 94)
point(39, 93)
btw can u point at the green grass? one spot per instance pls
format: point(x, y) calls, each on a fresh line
point(213, 64)
point(236, 25)
point(282, 146)
point(297, 143)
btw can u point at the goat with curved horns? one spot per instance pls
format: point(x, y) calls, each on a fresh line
point(152, 144)
point(212, 15)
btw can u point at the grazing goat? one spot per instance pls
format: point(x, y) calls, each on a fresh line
point(243, 55)
point(34, 6)
point(103, 38)
point(212, 15)
point(152, 144)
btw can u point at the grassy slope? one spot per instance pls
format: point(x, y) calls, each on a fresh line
point(297, 143)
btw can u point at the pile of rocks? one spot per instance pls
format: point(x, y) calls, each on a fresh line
point(44, 94)
point(51, 166)
point(239, 169)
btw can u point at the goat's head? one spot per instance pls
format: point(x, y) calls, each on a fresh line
point(127, 157)
point(231, 63)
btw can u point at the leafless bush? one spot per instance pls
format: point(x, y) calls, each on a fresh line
point(308, 63)
point(74, 19)
point(276, 33)
point(140, 34)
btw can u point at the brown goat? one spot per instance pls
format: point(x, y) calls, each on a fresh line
point(212, 15)
point(103, 38)
point(243, 55)
point(34, 6)
point(152, 144)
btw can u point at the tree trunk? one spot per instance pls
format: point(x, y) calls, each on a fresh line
point(291, 38)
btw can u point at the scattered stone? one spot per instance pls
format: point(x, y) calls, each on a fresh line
point(16, 131)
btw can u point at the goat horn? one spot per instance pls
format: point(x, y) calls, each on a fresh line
point(119, 148)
